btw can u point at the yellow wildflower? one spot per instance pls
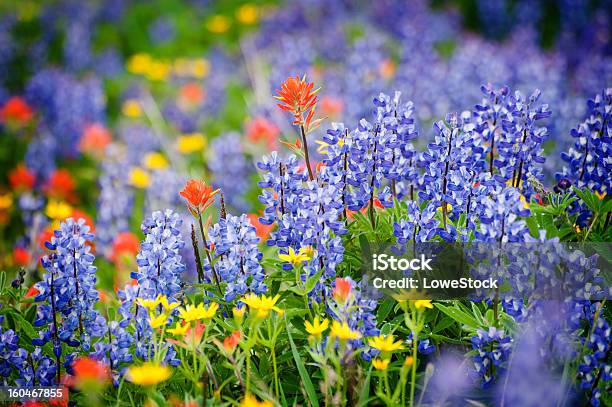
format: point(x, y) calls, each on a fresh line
point(600, 195)
point(385, 343)
point(131, 108)
point(380, 364)
point(194, 313)
point(419, 304)
point(155, 161)
point(251, 401)
point(178, 330)
point(148, 304)
point(6, 201)
point(158, 321)
point(263, 305)
point(158, 71)
point(409, 361)
point(295, 258)
point(343, 331)
point(247, 14)
point(316, 328)
point(218, 24)
point(200, 68)
point(148, 374)
point(139, 63)
point(139, 178)
point(168, 306)
point(238, 313)
point(190, 143)
point(58, 210)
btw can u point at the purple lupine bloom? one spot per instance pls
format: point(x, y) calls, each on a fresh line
point(115, 199)
point(493, 348)
point(588, 161)
point(231, 170)
point(69, 291)
point(237, 257)
point(160, 267)
point(520, 147)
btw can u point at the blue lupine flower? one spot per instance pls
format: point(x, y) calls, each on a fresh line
point(231, 171)
point(159, 273)
point(520, 147)
point(238, 257)
point(114, 349)
point(69, 291)
point(159, 262)
point(588, 162)
point(493, 348)
point(115, 199)
point(500, 217)
point(595, 368)
point(358, 311)
point(453, 164)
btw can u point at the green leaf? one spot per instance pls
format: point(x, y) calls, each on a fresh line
point(312, 281)
point(458, 315)
point(310, 390)
point(364, 396)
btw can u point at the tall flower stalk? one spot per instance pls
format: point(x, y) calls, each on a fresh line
point(297, 96)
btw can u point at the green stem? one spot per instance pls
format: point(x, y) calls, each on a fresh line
point(415, 344)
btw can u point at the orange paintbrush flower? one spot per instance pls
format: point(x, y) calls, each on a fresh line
point(342, 290)
point(89, 373)
point(60, 185)
point(230, 342)
point(21, 178)
point(298, 97)
point(199, 196)
point(16, 110)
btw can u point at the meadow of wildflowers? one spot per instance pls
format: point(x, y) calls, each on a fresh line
point(190, 193)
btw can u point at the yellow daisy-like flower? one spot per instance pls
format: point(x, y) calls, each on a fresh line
point(316, 328)
point(148, 304)
point(158, 71)
point(131, 108)
point(158, 321)
point(420, 304)
point(238, 313)
point(380, 364)
point(295, 258)
point(385, 343)
point(58, 210)
point(263, 305)
point(197, 312)
point(200, 68)
point(190, 143)
point(148, 374)
point(343, 331)
point(139, 63)
point(155, 161)
point(251, 401)
point(168, 306)
point(247, 14)
point(178, 330)
point(6, 201)
point(218, 24)
point(139, 178)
